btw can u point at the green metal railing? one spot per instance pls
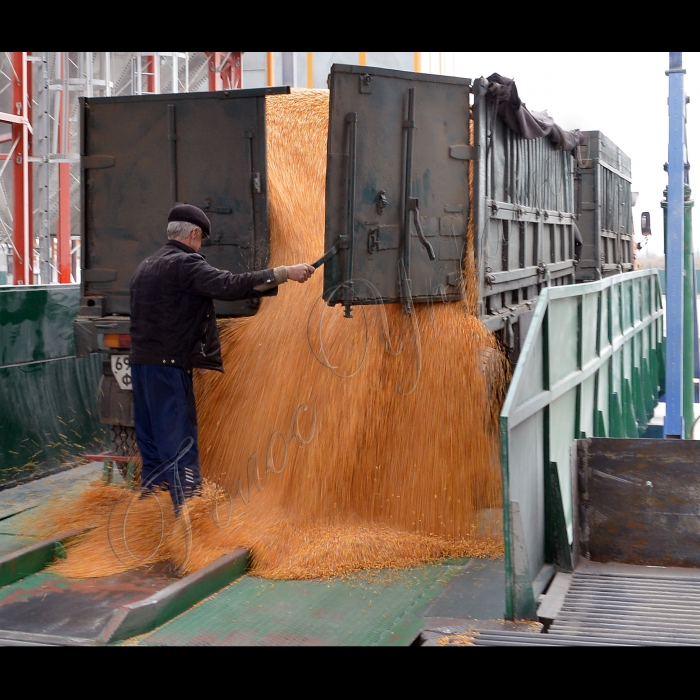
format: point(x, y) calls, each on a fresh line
point(592, 365)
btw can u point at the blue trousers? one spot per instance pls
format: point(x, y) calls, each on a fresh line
point(165, 418)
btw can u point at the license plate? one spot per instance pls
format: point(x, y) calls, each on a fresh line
point(121, 368)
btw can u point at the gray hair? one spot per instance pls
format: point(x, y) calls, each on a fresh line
point(180, 230)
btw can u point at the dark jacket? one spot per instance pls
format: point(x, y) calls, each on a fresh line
point(173, 322)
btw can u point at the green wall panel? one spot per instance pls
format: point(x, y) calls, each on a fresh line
point(36, 323)
point(48, 410)
point(48, 415)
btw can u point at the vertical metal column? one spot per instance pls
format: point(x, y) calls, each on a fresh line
point(42, 131)
point(214, 73)
point(674, 424)
point(289, 68)
point(689, 304)
point(152, 69)
point(20, 166)
point(64, 204)
point(231, 71)
point(270, 68)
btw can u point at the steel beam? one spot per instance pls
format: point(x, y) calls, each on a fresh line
point(43, 168)
point(215, 58)
point(674, 423)
point(225, 70)
point(289, 68)
point(231, 71)
point(151, 68)
point(21, 224)
point(64, 204)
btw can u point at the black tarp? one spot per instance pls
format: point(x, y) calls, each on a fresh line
point(529, 125)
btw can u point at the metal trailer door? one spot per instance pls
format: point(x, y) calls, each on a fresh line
point(397, 190)
point(142, 154)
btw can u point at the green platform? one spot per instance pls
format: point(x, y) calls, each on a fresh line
point(370, 608)
point(375, 608)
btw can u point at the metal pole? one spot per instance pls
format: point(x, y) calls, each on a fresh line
point(289, 68)
point(674, 424)
point(22, 259)
point(688, 315)
point(108, 73)
point(64, 213)
point(43, 171)
point(214, 75)
point(270, 68)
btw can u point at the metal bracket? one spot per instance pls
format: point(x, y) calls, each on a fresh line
point(453, 278)
point(214, 210)
point(464, 152)
point(373, 240)
point(366, 84)
point(381, 202)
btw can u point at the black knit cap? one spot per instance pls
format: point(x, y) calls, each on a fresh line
point(191, 214)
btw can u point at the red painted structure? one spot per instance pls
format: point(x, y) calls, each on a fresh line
point(225, 73)
point(21, 120)
point(224, 70)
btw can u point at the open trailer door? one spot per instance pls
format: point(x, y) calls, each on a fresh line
point(142, 154)
point(397, 186)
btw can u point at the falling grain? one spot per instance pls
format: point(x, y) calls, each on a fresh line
point(390, 478)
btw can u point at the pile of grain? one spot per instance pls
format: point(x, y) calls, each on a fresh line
point(390, 477)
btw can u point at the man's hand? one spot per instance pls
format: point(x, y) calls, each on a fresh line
point(299, 273)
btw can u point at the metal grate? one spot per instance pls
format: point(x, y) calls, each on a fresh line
point(123, 440)
point(654, 608)
point(640, 609)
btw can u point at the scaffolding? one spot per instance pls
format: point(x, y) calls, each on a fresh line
point(40, 131)
point(40, 142)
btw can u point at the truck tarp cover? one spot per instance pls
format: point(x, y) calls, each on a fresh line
point(530, 125)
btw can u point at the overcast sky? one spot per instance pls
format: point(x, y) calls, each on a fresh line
point(624, 95)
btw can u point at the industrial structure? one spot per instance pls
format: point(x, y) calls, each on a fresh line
point(40, 141)
point(438, 189)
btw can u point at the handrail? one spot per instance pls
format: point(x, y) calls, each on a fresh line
point(594, 352)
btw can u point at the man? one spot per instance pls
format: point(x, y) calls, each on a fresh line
point(173, 330)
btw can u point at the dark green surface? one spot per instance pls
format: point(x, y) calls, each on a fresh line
point(17, 524)
point(48, 411)
point(36, 323)
point(367, 609)
point(74, 611)
point(26, 588)
point(180, 596)
point(477, 592)
point(10, 543)
point(48, 415)
point(25, 562)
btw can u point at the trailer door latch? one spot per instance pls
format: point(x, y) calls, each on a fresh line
point(413, 206)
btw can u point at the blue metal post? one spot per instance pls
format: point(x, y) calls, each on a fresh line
point(674, 426)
